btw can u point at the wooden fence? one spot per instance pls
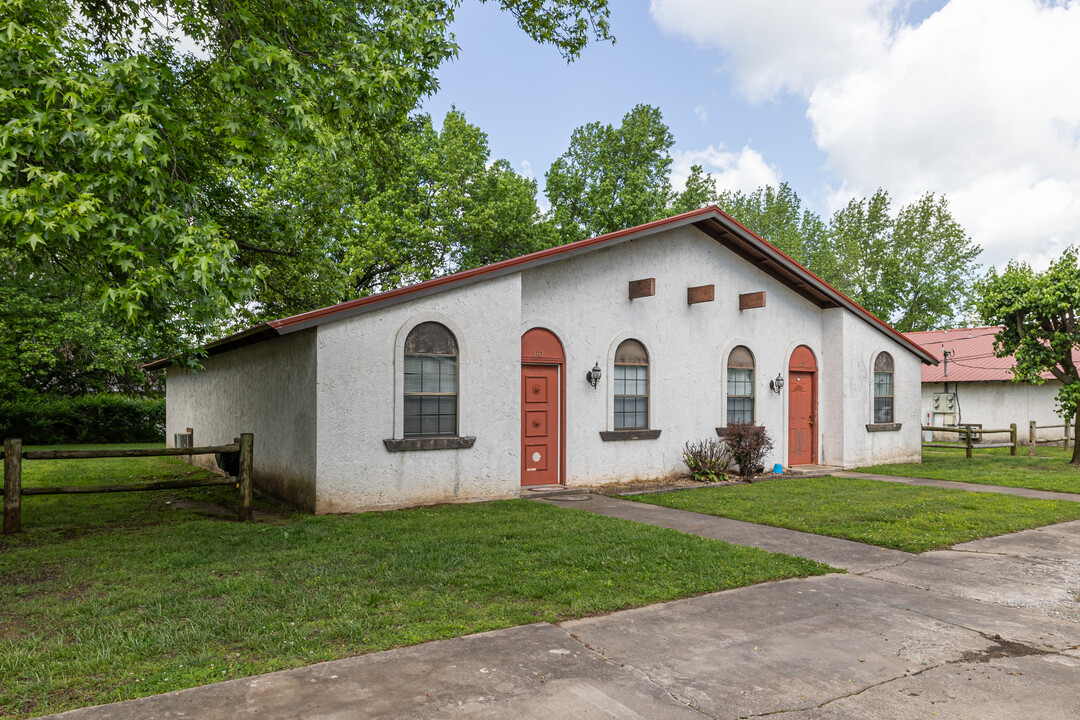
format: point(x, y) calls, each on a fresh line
point(13, 456)
point(1033, 435)
point(967, 431)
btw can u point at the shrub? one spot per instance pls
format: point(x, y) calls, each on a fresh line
point(97, 418)
point(708, 460)
point(748, 444)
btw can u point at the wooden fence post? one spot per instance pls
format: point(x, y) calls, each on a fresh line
point(246, 457)
point(1033, 437)
point(967, 432)
point(1012, 438)
point(12, 486)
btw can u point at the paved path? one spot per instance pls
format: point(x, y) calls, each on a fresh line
point(987, 630)
point(970, 487)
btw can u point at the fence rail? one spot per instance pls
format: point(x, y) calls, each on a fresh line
point(1033, 435)
point(13, 455)
point(967, 431)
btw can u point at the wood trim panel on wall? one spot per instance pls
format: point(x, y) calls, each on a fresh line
point(749, 301)
point(700, 294)
point(642, 288)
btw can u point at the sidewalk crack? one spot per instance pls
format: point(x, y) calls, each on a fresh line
point(687, 702)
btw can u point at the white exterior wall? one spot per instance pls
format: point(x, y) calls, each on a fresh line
point(997, 404)
point(584, 302)
point(267, 389)
point(360, 403)
point(852, 346)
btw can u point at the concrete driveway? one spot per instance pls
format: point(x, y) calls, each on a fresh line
point(989, 629)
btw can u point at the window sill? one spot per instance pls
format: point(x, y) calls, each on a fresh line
point(723, 431)
point(883, 427)
point(610, 435)
point(429, 443)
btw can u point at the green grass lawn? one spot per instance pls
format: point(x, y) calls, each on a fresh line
point(116, 596)
point(886, 514)
point(1049, 470)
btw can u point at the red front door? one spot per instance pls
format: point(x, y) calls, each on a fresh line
point(800, 418)
point(540, 420)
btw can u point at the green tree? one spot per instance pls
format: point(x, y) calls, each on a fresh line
point(612, 178)
point(777, 215)
point(112, 140)
point(378, 213)
point(700, 191)
point(54, 340)
point(915, 270)
point(1038, 314)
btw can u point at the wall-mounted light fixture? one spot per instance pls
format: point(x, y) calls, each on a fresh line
point(777, 385)
point(593, 376)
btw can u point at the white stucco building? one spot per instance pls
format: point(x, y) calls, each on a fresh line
point(473, 385)
point(973, 385)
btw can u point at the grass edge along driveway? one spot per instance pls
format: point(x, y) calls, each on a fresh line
point(107, 613)
point(1049, 470)
point(892, 515)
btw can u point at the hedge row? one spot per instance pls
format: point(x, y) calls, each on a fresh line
point(99, 418)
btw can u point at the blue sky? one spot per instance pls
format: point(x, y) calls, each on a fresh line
point(976, 99)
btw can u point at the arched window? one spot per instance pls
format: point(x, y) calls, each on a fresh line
point(431, 381)
point(883, 388)
point(740, 386)
point(631, 386)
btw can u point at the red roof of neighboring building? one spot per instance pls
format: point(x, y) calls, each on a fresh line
point(711, 220)
point(972, 356)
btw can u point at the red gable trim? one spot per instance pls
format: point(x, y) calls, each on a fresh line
point(314, 318)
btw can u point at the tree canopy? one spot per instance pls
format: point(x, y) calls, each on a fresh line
point(613, 178)
point(113, 138)
point(1040, 330)
point(378, 213)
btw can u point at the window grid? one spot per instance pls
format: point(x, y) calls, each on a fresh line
point(430, 395)
point(631, 397)
point(740, 395)
point(883, 397)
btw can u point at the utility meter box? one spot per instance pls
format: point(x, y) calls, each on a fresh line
point(944, 402)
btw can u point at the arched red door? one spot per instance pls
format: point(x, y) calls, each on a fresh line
point(802, 407)
point(543, 418)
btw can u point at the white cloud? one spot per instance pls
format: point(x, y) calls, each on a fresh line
point(701, 113)
point(744, 170)
point(783, 44)
point(526, 169)
point(979, 101)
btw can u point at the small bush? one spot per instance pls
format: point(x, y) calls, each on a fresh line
point(748, 444)
point(708, 460)
point(97, 418)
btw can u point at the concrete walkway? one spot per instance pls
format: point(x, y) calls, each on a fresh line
point(988, 629)
point(953, 485)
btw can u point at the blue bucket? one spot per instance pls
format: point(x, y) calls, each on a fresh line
point(778, 469)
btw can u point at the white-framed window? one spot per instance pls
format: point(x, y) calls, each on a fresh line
point(631, 386)
point(740, 386)
point(431, 382)
point(883, 388)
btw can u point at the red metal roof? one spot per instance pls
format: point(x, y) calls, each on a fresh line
point(710, 220)
point(972, 356)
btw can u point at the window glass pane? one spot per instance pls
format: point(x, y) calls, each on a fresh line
point(412, 374)
point(740, 382)
point(448, 375)
point(447, 425)
point(429, 424)
point(740, 410)
point(883, 384)
point(883, 409)
point(412, 416)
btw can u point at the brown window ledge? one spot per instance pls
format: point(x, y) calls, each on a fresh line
point(883, 427)
point(429, 443)
point(723, 431)
point(609, 435)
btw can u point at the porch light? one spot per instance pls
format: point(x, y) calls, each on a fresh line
point(777, 385)
point(593, 376)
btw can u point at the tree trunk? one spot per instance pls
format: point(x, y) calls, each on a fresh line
point(1076, 438)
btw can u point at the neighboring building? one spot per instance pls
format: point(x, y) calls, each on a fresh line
point(470, 386)
point(975, 386)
